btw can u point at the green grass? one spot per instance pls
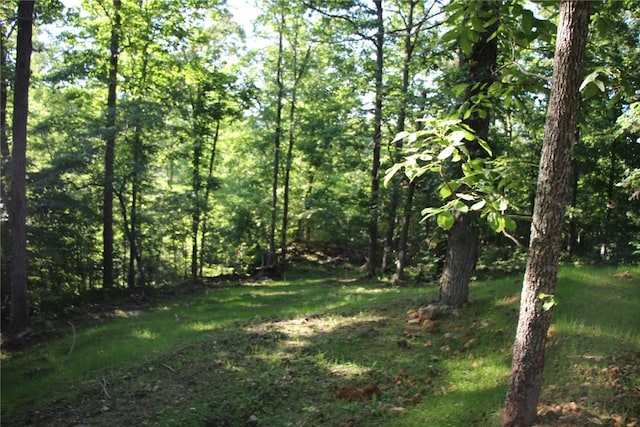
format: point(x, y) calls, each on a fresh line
point(278, 351)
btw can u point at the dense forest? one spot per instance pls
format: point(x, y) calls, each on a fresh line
point(170, 140)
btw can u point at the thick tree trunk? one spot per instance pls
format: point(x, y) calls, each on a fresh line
point(374, 204)
point(460, 261)
point(463, 238)
point(548, 216)
point(18, 210)
point(109, 152)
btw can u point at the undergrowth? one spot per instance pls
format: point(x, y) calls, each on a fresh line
point(280, 353)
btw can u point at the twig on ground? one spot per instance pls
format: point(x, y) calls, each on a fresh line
point(103, 383)
point(73, 343)
point(168, 367)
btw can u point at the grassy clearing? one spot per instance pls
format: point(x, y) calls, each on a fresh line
point(274, 353)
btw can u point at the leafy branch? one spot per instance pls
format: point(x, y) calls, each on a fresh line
point(481, 184)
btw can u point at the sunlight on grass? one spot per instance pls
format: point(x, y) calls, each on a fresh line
point(344, 369)
point(144, 333)
point(202, 326)
point(271, 348)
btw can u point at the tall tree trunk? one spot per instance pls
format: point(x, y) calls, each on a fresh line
point(18, 209)
point(207, 193)
point(298, 73)
point(409, 45)
point(134, 244)
point(136, 256)
point(463, 237)
point(271, 257)
point(110, 145)
point(374, 204)
point(575, 174)
point(548, 216)
point(197, 209)
point(604, 246)
point(305, 233)
point(404, 233)
point(5, 174)
point(403, 244)
point(287, 174)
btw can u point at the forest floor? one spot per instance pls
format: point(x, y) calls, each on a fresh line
point(324, 347)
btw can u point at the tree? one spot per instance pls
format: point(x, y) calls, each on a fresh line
point(18, 209)
point(374, 206)
point(410, 33)
point(477, 65)
point(540, 277)
point(110, 145)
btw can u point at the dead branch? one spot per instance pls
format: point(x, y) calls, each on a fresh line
point(73, 342)
point(103, 384)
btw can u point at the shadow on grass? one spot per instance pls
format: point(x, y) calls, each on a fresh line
point(275, 353)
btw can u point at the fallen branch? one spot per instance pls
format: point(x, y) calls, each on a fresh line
point(103, 383)
point(73, 343)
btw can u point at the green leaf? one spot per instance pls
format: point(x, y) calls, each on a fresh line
point(450, 35)
point(496, 222)
point(391, 172)
point(548, 301)
point(478, 205)
point(593, 78)
point(527, 21)
point(465, 42)
point(485, 146)
point(460, 206)
point(446, 153)
point(446, 220)
point(445, 191)
point(456, 136)
point(401, 135)
point(510, 224)
point(469, 136)
point(465, 196)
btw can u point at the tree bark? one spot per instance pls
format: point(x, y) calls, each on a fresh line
point(207, 193)
point(109, 152)
point(5, 170)
point(18, 209)
point(298, 73)
point(195, 188)
point(271, 258)
point(404, 233)
point(374, 204)
point(410, 38)
point(573, 178)
point(460, 260)
point(548, 216)
point(604, 246)
point(463, 237)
